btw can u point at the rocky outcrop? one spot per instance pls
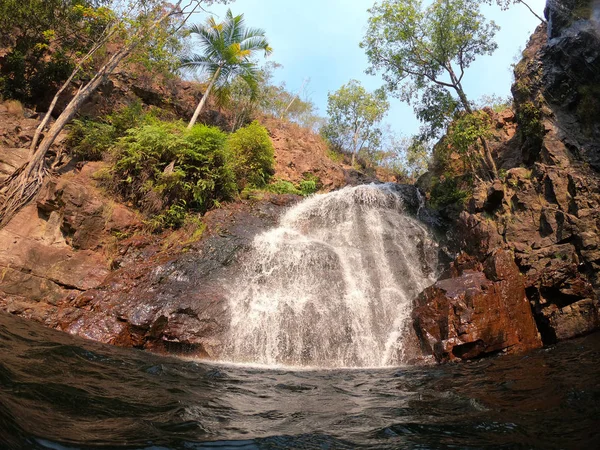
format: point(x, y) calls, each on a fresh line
point(545, 209)
point(480, 311)
point(171, 302)
point(62, 243)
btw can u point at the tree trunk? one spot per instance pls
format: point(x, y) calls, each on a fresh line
point(487, 154)
point(488, 158)
point(532, 11)
point(355, 149)
point(204, 98)
point(40, 129)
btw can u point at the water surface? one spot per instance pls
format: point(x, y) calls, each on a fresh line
point(59, 392)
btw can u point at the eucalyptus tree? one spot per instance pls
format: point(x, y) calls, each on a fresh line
point(129, 24)
point(227, 50)
point(354, 116)
point(423, 50)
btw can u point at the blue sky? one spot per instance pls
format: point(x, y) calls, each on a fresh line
point(318, 39)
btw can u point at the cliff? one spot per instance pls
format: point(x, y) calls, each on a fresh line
point(544, 211)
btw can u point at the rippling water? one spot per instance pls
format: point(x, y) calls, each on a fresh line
point(58, 392)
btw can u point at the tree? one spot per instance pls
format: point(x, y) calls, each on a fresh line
point(426, 50)
point(227, 47)
point(354, 114)
point(133, 23)
point(39, 39)
point(505, 4)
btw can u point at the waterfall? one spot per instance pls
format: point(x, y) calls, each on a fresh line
point(332, 285)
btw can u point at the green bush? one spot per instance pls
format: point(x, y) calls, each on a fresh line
point(90, 140)
point(447, 192)
point(253, 154)
point(173, 217)
point(130, 116)
point(283, 187)
point(163, 166)
point(307, 187)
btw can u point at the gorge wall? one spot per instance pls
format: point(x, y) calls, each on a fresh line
point(544, 212)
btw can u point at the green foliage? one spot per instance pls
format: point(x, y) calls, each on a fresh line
point(40, 39)
point(253, 154)
point(92, 139)
point(418, 155)
point(335, 156)
point(283, 187)
point(446, 192)
point(466, 130)
point(307, 187)
point(173, 217)
point(423, 51)
point(304, 188)
point(354, 115)
point(529, 118)
point(167, 169)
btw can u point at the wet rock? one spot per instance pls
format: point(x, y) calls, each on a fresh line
point(476, 313)
point(573, 320)
point(173, 303)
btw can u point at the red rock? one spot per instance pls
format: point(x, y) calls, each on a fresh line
point(476, 313)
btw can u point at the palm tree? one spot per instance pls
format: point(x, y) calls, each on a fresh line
point(227, 47)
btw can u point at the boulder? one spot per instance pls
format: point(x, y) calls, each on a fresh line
point(476, 313)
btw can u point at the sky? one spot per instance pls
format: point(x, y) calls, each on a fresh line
point(319, 39)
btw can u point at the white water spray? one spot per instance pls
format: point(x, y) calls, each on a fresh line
point(332, 286)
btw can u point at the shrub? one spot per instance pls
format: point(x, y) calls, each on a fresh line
point(283, 187)
point(163, 165)
point(173, 217)
point(335, 156)
point(447, 192)
point(307, 187)
point(253, 154)
point(89, 140)
point(529, 118)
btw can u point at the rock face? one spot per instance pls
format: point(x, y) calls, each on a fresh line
point(172, 303)
point(545, 210)
point(477, 312)
point(59, 244)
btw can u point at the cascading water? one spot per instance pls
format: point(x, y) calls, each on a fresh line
point(332, 285)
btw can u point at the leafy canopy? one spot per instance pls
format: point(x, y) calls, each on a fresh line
point(227, 48)
point(423, 52)
point(354, 115)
